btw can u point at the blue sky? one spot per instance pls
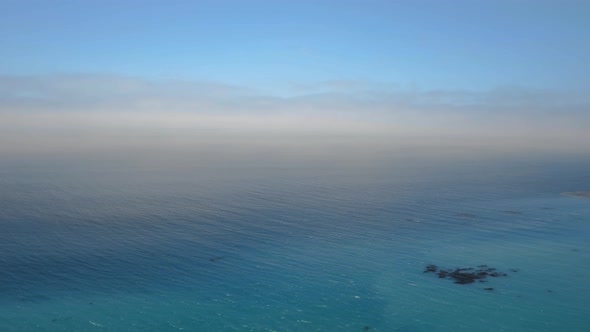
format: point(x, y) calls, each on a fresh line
point(274, 44)
point(92, 74)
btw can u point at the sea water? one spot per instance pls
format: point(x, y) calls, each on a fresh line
point(293, 245)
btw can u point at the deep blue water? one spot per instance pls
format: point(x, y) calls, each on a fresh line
point(115, 245)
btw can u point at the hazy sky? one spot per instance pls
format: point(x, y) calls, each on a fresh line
point(474, 68)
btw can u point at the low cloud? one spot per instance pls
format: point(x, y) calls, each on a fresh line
point(85, 112)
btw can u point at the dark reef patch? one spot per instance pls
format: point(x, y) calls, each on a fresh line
point(466, 275)
point(430, 268)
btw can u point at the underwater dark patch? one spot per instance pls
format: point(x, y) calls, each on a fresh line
point(465, 275)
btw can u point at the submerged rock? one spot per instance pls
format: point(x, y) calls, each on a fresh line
point(430, 268)
point(466, 275)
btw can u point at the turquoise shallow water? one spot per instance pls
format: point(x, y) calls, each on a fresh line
point(308, 246)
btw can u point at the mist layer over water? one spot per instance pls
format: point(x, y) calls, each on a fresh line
point(274, 240)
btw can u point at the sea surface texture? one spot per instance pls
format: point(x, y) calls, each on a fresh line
point(295, 245)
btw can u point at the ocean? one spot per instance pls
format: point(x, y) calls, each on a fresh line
point(288, 244)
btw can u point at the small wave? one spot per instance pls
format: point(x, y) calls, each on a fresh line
point(584, 194)
point(94, 323)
